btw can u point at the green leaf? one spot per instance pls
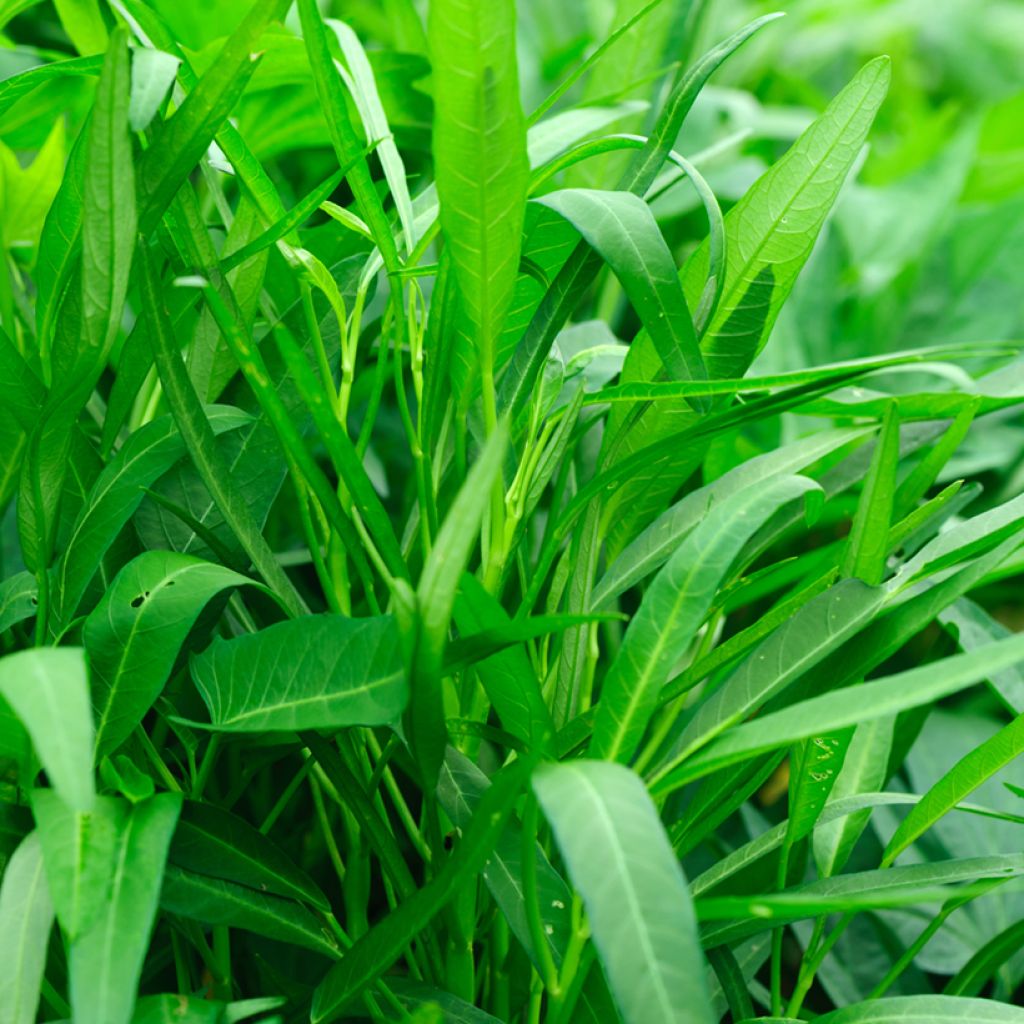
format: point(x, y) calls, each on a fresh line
point(831, 711)
point(413, 994)
point(663, 536)
point(378, 949)
point(480, 161)
point(637, 901)
point(26, 918)
point(214, 842)
point(962, 779)
point(817, 628)
point(180, 142)
point(134, 634)
point(435, 600)
point(508, 676)
point(105, 962)
point(621, 227)
point(888, 887)
point(934, 1009)
point(673, 609)
point(17, 599)
point(460, 788)
point(868, 543)
point(84, 24)
point(973, 976)
point(317, 672)
point(973, 627)
point(49, 692)
point(153, 73)
point(218, 902)
point(147, 454)
point(181, 1009)
point(770, 233)
point(78, 850)
point(108, 214)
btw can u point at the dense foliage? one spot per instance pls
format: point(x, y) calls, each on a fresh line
point(511, 515)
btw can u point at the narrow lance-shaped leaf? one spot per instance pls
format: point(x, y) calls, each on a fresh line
point(621, 227)
point(637, 901)
point(26, 917)
point(848, 706)
point(435, 600)
point(867, 544)
point(770, 233)
point(962, 779)
point(105, 962)
point(674, 608)
point(934, 1009)
point(317, 672)
point(479, 144)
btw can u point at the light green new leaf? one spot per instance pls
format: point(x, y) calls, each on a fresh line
point(927, 1010)
point(105, 961)
point(26, 917)
point(317, 672)
point(868, 543)
point(673, 609)
point(153, 72)
point(621, 227)
point(49, 692)
point(108, 215)
point(134, 634)
point(78, 851)
point(962, 779)
point(637, 901)
point(84, 25)
point(481, 166)
point(828, 712)
point(218, 902)
point(214, 842)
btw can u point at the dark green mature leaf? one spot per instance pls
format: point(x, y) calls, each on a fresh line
point(134, 634)
point(673, 609)
point(621, 227)
point(214, 842)
point(146, 455)
point(382, 945)
point(49, 692)
point(460, 788)
point(215, 901)
point(78, 850)
point(17, 599)
point(26, 918)
point(508, 676)
point(317, 672)
point(481, 167)
point(105, 961)
point(637, 901)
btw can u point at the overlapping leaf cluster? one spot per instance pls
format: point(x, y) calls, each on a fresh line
point(429, 594)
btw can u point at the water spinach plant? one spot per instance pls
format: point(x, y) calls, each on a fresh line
point(421, 602)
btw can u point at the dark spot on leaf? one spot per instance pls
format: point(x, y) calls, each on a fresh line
point(140, 600)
